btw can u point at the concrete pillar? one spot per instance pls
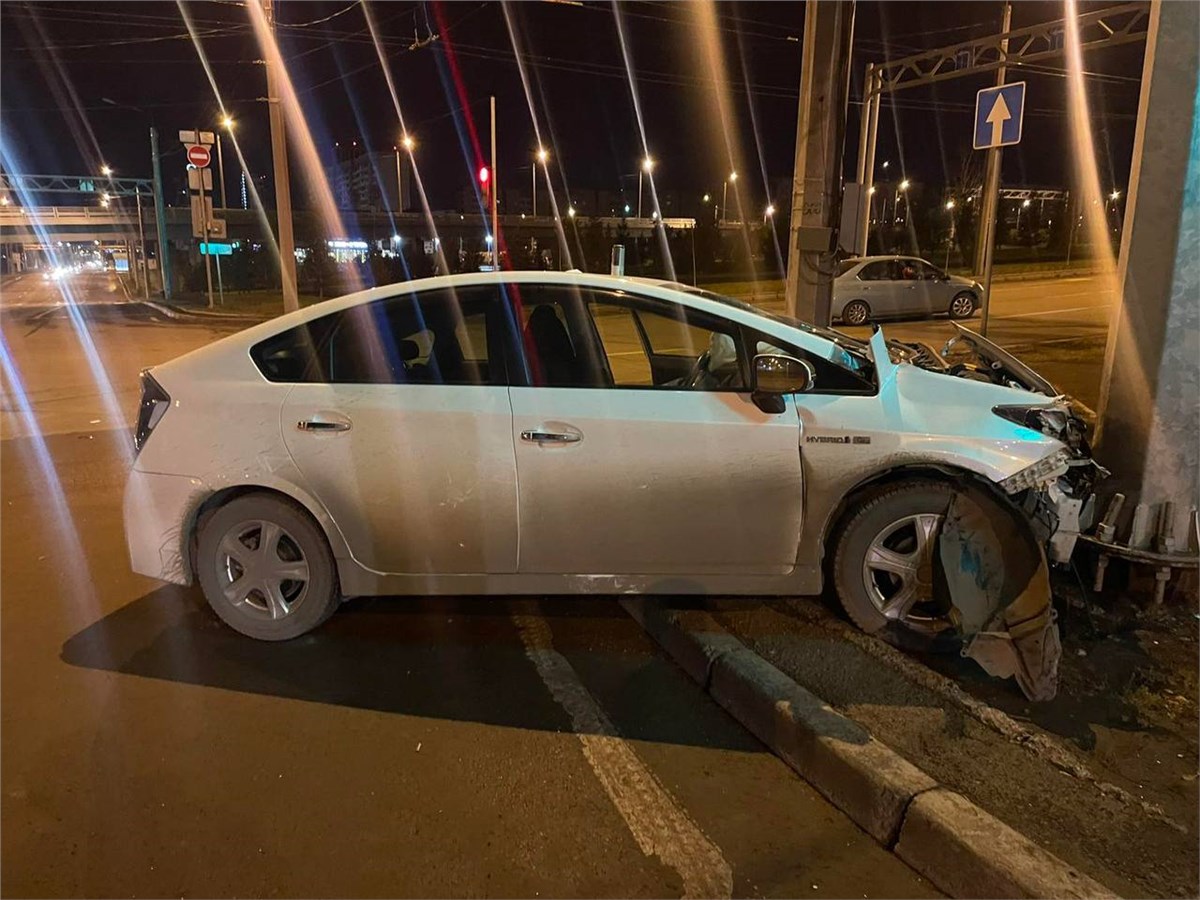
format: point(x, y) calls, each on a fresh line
point(817, 177)
point(1149, 417)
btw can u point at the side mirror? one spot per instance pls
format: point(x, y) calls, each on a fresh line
point(776, 375)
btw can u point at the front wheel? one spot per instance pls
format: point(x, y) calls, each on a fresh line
point(886, 563)
point(266, 569)
point(962, 306)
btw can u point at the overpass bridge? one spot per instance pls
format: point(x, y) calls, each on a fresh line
point(36, 226)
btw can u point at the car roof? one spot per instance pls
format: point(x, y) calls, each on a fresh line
point(882, 258)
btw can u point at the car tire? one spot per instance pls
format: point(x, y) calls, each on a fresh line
point(856, 312)
point(963, 305)
point(270, 594)
point(892, 519)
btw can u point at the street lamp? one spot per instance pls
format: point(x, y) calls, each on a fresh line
point(725, 192)
point(1024, 205)
point(227, 124)
point(647, 165)
point(542, 156)
point(571, 211)
point(950, 234)
point(896, 199)
point(1114, 195)
point(106, 171)
point(407, 142)
point(769, 212)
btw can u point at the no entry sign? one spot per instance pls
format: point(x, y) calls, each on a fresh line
point(199, 155)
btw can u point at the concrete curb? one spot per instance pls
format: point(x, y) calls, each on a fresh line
point(963, 850)
point(178, 312)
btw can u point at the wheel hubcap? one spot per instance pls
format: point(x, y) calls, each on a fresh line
point(963, 306)
point(856, 314)
point(262, 570)
point(898, 572)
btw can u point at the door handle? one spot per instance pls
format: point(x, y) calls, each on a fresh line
point(322, 425)
point(551, 437)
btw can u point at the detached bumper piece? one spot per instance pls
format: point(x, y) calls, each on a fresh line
point(999, 585)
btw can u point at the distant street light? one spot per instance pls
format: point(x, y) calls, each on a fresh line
point(626, 209)
point(725, 193)
point(896, 200)
point(1114, 195)
point(647, 165)
point(707, 198)
point(408, 143)
point(950, 204)
point(106, 171)
point(886, 163)
point(1024, 205)
point(542, 156)
point(770, 211)
point(227, 124)
point(571, 211)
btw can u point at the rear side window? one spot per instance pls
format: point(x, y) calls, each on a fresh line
point(435, 337)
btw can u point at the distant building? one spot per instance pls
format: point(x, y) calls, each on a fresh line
point(371, 181)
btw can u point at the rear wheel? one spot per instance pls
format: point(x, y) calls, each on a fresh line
point(266, 569)
point(886, 566)
point(962, 306)
point(856, 312)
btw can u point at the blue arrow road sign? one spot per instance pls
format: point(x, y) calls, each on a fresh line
point(213, 248)
point(999, 113)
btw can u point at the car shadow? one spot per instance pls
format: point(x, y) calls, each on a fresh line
point(455, 658)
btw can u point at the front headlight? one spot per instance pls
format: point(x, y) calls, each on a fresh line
point(1053, 421)
point(1046, 469)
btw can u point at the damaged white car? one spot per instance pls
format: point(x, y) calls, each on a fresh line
point(557, 433)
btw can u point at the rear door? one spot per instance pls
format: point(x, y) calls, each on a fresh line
point(401, 427)
point(638, 448)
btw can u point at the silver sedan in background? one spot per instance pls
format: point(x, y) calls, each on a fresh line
point(878, 287)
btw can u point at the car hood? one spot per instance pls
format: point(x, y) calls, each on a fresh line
point(993, 374)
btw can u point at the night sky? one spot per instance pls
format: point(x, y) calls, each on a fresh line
point(83, 82)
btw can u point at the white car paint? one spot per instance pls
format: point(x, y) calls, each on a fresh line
point(434, 490)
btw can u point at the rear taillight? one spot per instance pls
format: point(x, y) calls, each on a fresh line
point(154, 403)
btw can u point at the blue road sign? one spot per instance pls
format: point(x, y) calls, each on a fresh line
point(212, 248)
point(999, 114)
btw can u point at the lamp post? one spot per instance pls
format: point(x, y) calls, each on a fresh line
point(1024, 205)
point(647, 165)
point(725, 193)
point(542, 156)
point(950, 233)
point(902, 189)
point(768, 212)
point(227, 124)
point(409, 144)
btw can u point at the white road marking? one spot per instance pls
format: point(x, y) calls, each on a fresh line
point(658, 824)
point(1051, 312)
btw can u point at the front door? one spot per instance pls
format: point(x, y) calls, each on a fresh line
point(404, 433)
point(639, 450)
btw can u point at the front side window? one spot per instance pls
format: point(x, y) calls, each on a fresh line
point(577, 337)
point(435, 337)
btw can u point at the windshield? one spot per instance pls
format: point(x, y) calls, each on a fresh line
point(849, 352)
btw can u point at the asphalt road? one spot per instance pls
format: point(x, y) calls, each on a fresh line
point(410, 747)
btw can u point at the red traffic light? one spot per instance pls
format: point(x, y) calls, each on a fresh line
point(484, 175)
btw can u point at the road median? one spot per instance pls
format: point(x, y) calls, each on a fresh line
point(962, 849)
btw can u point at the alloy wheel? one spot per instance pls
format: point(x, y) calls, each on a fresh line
point(898, 572)
point(962, 306)
point(855, 313)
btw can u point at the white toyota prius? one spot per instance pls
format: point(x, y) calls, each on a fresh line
point(559, 433)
